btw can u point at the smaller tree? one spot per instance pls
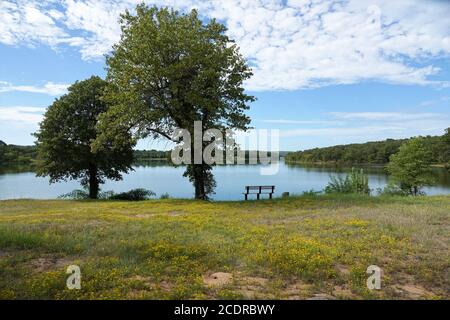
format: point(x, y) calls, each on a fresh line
point(65, 137)
point(2, 152)
point(446, 140)
point(410, 167)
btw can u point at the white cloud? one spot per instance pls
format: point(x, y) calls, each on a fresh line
point(339, 131)
point(21, 115)
point(306, 122)
point(367, 126)
point(50, 88)
point(387, 116)
point(291, 44)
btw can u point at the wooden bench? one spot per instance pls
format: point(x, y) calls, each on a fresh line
point(258, 190)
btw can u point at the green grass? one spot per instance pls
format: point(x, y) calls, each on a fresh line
point(284, 249)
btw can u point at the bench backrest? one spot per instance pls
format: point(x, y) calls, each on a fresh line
point(259, 188)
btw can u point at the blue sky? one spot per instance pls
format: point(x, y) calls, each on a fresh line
point(326, 72)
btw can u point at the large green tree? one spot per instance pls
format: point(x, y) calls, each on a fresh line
point(65, 137)
point(170, 70)
point(410, 166)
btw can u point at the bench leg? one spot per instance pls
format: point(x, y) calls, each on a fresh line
point(270, 196)
point(257, 196)
point(246, 197)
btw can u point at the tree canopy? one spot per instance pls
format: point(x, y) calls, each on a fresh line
point(446, 149)
point(410, 167)
point(65, 137)
point(377, 152)
point(170, 70)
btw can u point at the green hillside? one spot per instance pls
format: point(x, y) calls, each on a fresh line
point(368, 153)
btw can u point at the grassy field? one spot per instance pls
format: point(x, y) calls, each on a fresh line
point(297, 248)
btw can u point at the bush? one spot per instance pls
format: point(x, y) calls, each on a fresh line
point(355, 182)
point(133, 195)
point(79, 194)
point(392, 189)
point(164, 196)
point(76, 194)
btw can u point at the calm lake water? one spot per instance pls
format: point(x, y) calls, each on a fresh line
point(163, 178)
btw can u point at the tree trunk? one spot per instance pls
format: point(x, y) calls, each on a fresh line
point(93, 182)
point(199, 182)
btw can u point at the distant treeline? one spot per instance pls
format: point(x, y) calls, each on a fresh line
point(19, 155)
point(149, 155)
point(26, 155)
point(367, 153)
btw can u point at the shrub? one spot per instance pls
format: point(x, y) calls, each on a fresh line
point(355, 182)
point(392, 189)
point(164, 196)
point(133, 195)
point(76, 194)
point(83, 194)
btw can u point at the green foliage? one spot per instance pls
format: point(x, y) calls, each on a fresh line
point(66, 133)
point(409, 168)
point(148, 155)
point(169, 70)
point(77, 194)
point(446, 147)
point(392, 189)
point(83, 194)
point(370, 152)
point(354, 182)
point(133, 195)
point(164, 196)
point(16, 155)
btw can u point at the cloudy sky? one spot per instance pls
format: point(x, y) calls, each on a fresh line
point(325, 72)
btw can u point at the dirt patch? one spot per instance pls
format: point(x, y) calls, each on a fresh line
point(218, 279)
point(176, 213)
point(252, 287)
point(343, 293)
point(255, 281)
point(297, 290)
point(48, 263)
point(343, 270)
point(165, 286)
point(145, 280)
point(137, 294)
point(413, 291)
point(144, 215)
point(95, 223)
point(321, 296)
point(151, 285)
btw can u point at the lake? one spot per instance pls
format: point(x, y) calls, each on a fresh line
point(163, 178)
